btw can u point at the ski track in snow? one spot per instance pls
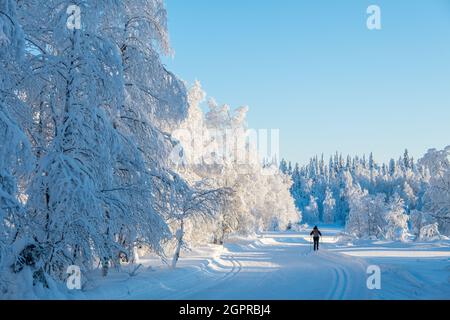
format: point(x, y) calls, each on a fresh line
point(284, 266)
point(204, 286)
point(272, 267)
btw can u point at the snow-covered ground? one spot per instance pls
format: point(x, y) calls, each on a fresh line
point(283, 266)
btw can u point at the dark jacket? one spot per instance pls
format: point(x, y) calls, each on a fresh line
point(316, 233)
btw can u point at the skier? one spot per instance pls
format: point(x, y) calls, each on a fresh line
point(316, 236)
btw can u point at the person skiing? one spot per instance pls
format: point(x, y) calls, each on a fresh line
point(316, 236)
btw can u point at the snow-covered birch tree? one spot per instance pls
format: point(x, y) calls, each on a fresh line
point(87, 200)
point(438, 193)
point(15, 154)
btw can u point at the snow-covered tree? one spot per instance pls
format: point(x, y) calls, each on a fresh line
point(195, 204)
point(408, 194)
point(329, 205)
point(430, 232)
point(404, 177)
point(396, 227)
point(283, 166)
point(72, 208)
point(357, 220)
point(367, 214)
point(311, 213)
point(437, 196)
point(420, 222)
point(407, 161)
point(216, 147)
point(16, 159)
point(155, 100)
point(91, 196)
point(153, 94)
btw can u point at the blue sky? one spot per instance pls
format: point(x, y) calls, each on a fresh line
point(313, 70)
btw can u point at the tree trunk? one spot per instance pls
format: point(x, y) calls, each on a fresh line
point(179, 236)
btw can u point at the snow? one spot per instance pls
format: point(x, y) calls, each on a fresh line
point(88, 173)
point(277, 265)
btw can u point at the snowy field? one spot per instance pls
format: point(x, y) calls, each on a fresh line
point(282, 266)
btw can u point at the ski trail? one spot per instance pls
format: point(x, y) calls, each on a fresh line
point(340, 284)
point(205, 275)
point(348, 276)
point(215, 278)
point(274, 266)
point(279, 265)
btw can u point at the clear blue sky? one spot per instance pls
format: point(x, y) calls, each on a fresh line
point(313, 70)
